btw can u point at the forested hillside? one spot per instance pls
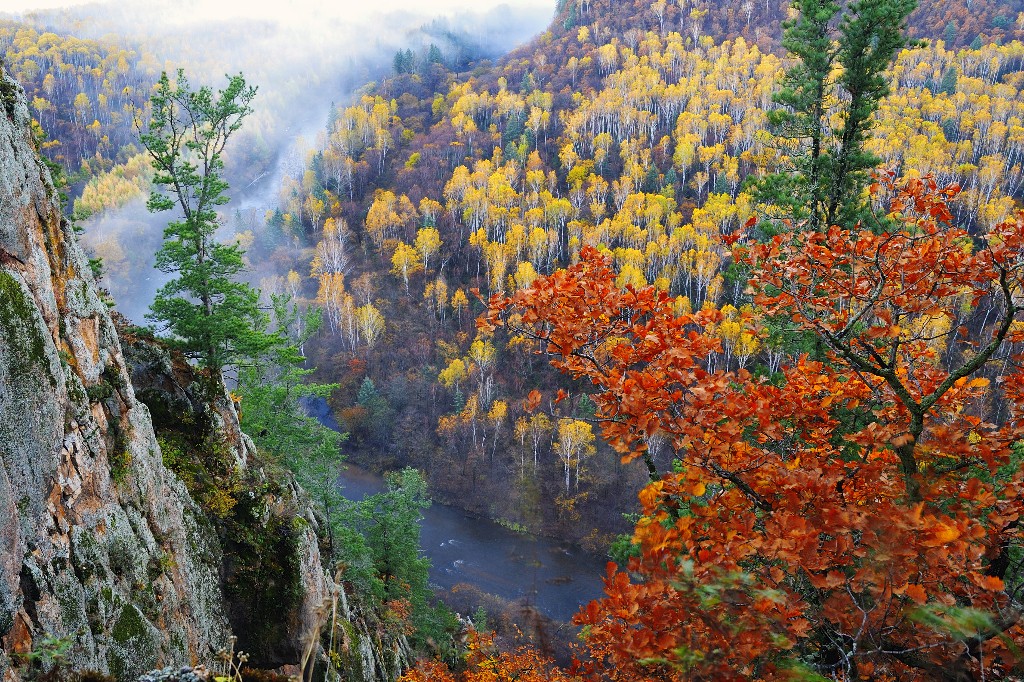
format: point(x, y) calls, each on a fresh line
point(88, 77)
point(790, 284)
point(754, 264)
point(613, 130)
point(83, 93)
point(957, 23)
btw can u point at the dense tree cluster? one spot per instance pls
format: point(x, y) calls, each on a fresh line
point(647, 160)
point(958, 23)
point(83, 92)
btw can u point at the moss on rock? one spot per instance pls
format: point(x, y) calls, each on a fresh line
point(20, 332)
point(8, 96)
point(134, 645)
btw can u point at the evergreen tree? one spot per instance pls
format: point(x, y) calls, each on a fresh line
point(391, 523)
point(378, 413)
point(872, 33)
point(404, 62)
point(830, 166)
point(274, 395)
point(651, 181)
point(949, 35)
point(212, 316)
point(274, 231)
point(949, 79)
point(808, 39)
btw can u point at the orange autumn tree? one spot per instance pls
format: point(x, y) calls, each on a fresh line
point(484, 663)
point(855, 515)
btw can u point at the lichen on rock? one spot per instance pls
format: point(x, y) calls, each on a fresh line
point(82, 551)
point(133, 562)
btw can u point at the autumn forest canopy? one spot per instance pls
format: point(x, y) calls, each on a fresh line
point(731, 293)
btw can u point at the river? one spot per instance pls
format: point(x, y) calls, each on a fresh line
point(553, 577)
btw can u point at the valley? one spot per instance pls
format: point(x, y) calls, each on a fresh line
point(725, 292)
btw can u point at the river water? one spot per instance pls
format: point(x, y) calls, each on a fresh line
point(554, 578)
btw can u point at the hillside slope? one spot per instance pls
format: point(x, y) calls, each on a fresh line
point(610, 130)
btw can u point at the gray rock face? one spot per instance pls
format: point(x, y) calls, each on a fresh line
point(268, 533)
point(99, 543)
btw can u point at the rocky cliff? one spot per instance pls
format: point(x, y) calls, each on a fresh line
point(100, 543)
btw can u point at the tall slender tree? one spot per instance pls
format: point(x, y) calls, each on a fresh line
point(841, 56)
point(213, 317)
point(872, 33)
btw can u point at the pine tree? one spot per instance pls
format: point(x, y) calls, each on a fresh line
point(949, 35)
point(804, 88)
point(872, 33)
point(949, 80)
point(212, 316)
point(830, 166)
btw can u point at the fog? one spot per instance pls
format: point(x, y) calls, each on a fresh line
point(284, 11)
point(305, 56)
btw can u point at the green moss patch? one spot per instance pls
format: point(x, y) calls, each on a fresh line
point(25, 343)
point(133, 648)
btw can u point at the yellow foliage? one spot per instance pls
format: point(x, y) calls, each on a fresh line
point(405, 262)
point(371, 324)
point(525, 275)
point(498, 412)
point(482, 353)
point(459, 301)
point(453, 374)
point(428, 242)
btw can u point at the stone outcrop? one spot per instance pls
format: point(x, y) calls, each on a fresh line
point(271, 570)
point(272, 620)
point(100, 543)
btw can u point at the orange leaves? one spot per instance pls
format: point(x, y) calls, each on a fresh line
point(939, 533)
point(885, 300)
point(486, 664)
point(829, 580)
point(650, 495)
point(991, 583)
point(532, 401)
point(428, 671)
point(642, 357)
point(916, 592)
point(921, 196)
point(838, 498)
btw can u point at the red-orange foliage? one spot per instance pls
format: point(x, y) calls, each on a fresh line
point(858, 513)
point(485, 664)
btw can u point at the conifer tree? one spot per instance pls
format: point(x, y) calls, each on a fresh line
point(830, 166)
point(212, 316)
